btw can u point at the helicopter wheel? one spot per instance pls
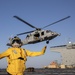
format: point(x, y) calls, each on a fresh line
point(47, 42)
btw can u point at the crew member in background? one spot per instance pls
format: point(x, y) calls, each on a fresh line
point(16, 57)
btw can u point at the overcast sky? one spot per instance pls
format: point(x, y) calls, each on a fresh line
point(39, 13)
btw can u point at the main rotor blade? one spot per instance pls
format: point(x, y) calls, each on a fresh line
point(57, 21)
point(25, 22)
point(23, 33)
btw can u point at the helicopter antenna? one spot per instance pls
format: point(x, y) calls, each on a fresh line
point(25, 22)
point(57, 21)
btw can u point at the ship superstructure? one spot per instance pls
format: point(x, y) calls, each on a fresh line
point(67, 53)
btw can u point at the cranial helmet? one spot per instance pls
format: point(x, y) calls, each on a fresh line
point(17, 40)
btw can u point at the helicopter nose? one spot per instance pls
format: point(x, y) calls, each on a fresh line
point(55, 34)
point(59, 34)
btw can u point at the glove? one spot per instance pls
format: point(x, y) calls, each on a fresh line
point(44, 49)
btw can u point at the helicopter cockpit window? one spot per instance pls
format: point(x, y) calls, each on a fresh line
point(42, 33)
point(27, 36)
point(37, 35)
point(48, 31)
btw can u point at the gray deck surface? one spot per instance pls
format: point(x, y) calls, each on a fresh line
point(46, 72)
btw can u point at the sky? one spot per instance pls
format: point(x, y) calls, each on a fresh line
point(38, 13)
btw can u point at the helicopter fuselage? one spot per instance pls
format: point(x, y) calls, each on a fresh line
point(39, 36)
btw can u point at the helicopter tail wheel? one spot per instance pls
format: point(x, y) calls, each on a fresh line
point(47, 42)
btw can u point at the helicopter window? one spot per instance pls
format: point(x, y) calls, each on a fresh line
point(42, 33)
point(48, 31)
point(37, 35)
point(27, 36)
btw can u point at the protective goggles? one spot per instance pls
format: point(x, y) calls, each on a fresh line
point(17, 41)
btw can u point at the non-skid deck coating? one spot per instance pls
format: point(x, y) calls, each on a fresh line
point(46, 72)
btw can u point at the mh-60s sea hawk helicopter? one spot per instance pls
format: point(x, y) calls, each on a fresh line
point(37, 35)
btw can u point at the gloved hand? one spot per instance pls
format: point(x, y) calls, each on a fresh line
point(44, 49)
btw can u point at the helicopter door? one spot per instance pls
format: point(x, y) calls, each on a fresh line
point(42, 36)
point(36, 36)
point(42, 33)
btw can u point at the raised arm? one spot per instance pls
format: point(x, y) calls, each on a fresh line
point(29, 53)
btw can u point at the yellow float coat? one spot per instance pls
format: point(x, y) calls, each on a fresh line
point(16, 58)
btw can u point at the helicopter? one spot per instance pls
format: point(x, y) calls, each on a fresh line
point(37, 35)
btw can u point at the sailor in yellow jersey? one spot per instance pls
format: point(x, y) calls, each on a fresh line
point(16, 57)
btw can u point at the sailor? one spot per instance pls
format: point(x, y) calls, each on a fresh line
point(17, 57)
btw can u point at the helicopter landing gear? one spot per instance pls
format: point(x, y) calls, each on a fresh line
point(47, 42)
